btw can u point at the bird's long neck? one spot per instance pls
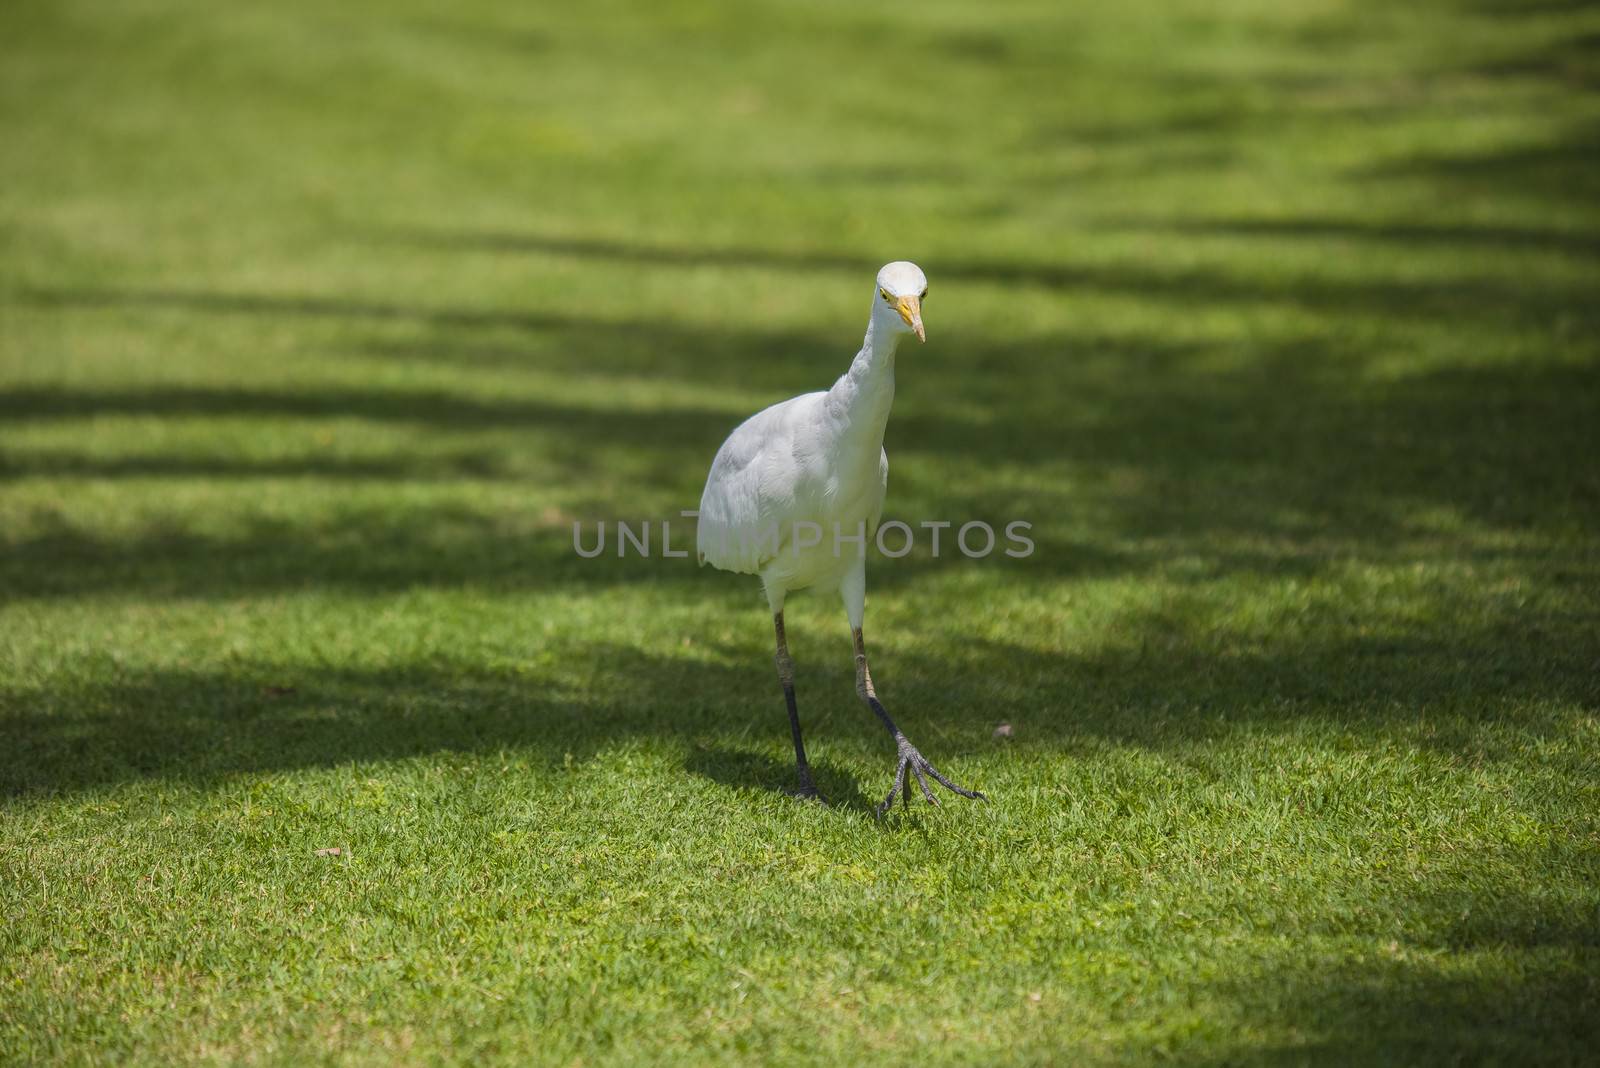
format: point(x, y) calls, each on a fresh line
point(860, 400)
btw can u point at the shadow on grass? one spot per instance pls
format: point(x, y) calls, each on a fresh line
point(351, 549)
point(1131, 457)
point(1479, 689)
point(1123, 454)
point(1409, 1010)
point(1497, 302)
point(1473, 683)
point(1394, 232)
point(202, 726)
point(745, 770)
point(419, 467)
point(1559, 168)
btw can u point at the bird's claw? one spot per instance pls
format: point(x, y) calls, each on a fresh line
point(914, 761)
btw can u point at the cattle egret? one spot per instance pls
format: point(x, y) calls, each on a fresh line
point(794, 496)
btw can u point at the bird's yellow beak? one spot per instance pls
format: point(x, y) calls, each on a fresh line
point(910, 309)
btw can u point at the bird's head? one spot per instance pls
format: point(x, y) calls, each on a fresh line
point(897, 303)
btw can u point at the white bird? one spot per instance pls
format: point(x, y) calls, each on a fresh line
point(795, 493)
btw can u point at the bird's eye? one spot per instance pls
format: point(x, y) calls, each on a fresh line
point(886, 298)
point(924, 293)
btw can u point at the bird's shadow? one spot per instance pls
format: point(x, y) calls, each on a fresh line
point(743, 770)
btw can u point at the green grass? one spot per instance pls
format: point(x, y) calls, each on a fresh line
point(319, 324)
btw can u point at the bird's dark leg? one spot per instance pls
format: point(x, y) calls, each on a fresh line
point(908, 757)
point(807, 789)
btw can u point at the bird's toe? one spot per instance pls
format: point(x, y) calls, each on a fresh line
point(919, 768)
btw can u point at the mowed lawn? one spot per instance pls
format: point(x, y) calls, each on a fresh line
point(320, 325)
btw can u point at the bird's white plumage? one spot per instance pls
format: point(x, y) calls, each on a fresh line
point(796, 481)
point(812, 466)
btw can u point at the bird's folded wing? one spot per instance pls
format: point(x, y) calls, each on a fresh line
point(748, 508)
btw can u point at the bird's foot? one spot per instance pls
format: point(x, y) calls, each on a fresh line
point(914, 761)
point(807, 791)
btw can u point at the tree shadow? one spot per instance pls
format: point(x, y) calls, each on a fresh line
point(1398, 298)
point(1420, 999)
point(200, 726)
point(416, 467)
point(203, 725)
point(355, 548)
point(1170, 682)
point(1283, 460)
point(1175, 681)
point(1405, 1010)
point(1571, 61)
point(1518, 9)
point(1558, 168)
point(1580, 240)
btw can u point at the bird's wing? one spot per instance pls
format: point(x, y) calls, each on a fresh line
point(750, 500)
point(883, 491)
